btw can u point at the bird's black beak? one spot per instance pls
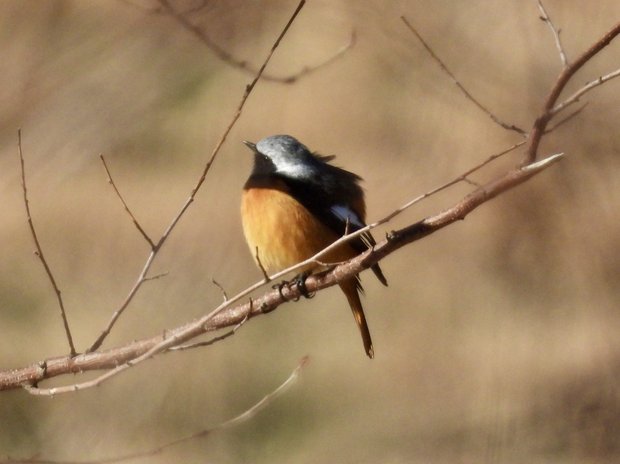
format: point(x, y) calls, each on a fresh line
point(250, 145)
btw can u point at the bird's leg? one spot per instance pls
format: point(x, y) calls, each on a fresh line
point(280, 286)
point(300, 282)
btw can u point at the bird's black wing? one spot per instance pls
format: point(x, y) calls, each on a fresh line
point(341, 217)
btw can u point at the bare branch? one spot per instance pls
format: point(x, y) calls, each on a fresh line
point(425, 195)
point(556, 33)
point(190, 199)
point(142, 277)
point(219, 338)
point(239, 419)
point(218, 285)
point(540, 125)
point(469, 96)
point(39, 251)
point(202, 36)
point(586, 88)
point(120, 197)
point(225, 315)
point(156, 276)
point(347, 224)
point(567, 118)
point(248, 414)
point(261, 267)
point(306, 70)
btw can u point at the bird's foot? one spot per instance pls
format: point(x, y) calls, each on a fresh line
point(280, 286)
point(300, 282)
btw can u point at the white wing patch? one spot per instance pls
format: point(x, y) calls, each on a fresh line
point(344, 213)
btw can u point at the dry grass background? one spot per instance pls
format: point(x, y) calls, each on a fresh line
point(497, 340)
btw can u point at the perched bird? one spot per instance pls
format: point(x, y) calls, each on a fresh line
point(294, 204)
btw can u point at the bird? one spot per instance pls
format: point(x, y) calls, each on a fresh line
point(294, 204)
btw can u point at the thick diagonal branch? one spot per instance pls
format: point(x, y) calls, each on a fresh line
point(226, 316)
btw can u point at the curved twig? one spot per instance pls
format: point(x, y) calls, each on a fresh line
point(243, 65)
point(544, 16)
point(574, 98)
point(468, 95)
point(239, 419)
point(120, 197)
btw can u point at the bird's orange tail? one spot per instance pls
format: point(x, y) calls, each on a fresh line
point(349, 287)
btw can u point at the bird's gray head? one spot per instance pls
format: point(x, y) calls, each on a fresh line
point(288, 156)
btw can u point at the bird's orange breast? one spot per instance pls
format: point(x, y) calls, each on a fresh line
point(283, 231)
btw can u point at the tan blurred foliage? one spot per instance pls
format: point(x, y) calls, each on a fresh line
point(497, 338)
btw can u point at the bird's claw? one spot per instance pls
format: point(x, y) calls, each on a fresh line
point(279, 287)
point(298, 282)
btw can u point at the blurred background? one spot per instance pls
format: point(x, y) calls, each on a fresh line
point(497, 339)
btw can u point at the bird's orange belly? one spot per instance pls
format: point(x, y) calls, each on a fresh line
point(284, 232)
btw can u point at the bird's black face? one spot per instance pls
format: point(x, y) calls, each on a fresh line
point(263, 165)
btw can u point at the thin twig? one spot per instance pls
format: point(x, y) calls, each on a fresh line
point(329, 265)
point(586, 88)
point(222, 290)
point(306, 70)
point(473, 183)
point(214, 340)
point(425, 195)
point(567, 118)
point(39, 251)
point(190, 199)
point(120, 197)
point(239, 419)
point(142, 277)
point(260, 266)
point(248, 414)
point(556, 33)
point(347, 225)
point(461, 87)
point(156, 276)
point(202, 36)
